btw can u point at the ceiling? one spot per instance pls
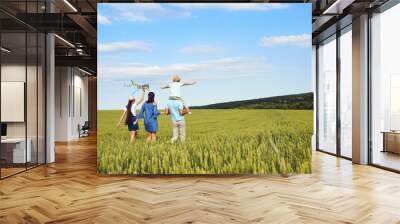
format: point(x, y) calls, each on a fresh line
point(332, 15)
point(73, 21)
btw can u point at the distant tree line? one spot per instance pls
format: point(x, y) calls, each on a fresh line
point(303, 101)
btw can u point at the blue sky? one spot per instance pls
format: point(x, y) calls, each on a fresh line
point(234, 51)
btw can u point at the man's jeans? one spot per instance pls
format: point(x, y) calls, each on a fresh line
point(178, 131)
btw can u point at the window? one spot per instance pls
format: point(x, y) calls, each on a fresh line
point(346, 92)
point(385, 89)
point(22, 76)
point(327, 95)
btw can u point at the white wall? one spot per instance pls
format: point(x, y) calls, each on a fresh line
point(62, 81)
point(81, 94)
point(71, 94)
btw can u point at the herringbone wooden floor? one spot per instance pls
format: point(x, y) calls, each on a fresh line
point(69, 191)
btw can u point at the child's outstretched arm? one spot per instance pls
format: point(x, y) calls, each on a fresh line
point(189, 83)
point(165, 87)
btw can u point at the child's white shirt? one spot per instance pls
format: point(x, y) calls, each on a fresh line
point(133, 108)
point(175, 88)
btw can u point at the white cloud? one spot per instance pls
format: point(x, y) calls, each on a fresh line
point(200, 49)
point(302, 40)
point(103, 19)
point(133, 16)
point(144, 12)
point(223, 67)
point(136, 6)
point(234, 6)
point(121, 46)
point(135, 12)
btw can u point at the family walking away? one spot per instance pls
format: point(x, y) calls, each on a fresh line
point(176, 108)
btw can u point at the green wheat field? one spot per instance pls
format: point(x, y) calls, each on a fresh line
point(225, 141)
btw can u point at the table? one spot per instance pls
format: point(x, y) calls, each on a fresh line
point(16, 147)
point(391, 141)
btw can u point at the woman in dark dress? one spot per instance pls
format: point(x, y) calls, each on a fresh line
point(149, 114)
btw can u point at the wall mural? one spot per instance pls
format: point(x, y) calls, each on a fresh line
point(204, 88)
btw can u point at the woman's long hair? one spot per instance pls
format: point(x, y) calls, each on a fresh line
point(150, 97)
point(129, 114)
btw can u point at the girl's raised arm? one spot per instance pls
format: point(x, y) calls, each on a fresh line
point(141, 99)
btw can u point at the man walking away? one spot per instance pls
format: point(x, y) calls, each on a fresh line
point(176, 111)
